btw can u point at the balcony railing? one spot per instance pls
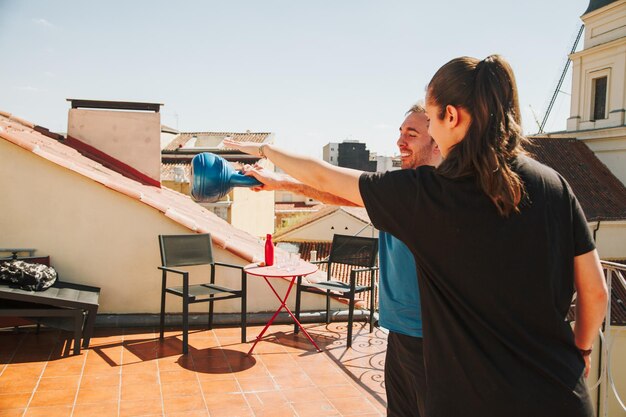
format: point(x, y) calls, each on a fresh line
point(614, 325)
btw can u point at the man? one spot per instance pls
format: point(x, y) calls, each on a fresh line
point(399, 302)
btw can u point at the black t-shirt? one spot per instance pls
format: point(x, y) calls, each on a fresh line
point(495, 291)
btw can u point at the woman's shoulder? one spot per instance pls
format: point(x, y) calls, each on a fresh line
point(534, 173)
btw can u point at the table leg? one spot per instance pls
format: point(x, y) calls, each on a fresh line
point(283, 302)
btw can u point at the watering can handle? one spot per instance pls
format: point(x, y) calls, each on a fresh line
point(244, 180)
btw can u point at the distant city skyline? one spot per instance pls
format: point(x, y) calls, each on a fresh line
point(312, 73)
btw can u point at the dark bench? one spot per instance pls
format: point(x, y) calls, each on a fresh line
point(63, 299)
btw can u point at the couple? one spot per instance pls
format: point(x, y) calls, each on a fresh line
point(500, 244)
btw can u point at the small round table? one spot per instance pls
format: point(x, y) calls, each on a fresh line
point(292, 273)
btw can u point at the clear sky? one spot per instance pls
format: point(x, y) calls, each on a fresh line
point(311, 72)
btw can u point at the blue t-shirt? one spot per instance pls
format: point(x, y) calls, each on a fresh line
point(399, 296)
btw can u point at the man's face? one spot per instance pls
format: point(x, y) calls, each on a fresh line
point(415, 144)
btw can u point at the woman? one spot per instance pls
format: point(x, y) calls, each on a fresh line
point(500, 244)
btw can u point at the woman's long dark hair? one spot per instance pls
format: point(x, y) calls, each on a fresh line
point(487, 90)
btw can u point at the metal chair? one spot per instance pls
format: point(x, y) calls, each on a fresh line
point(191, 250)
point(350, 251)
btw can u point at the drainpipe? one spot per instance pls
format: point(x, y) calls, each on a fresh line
point(595, 230)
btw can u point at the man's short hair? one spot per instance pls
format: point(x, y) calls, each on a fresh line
point(416, 108)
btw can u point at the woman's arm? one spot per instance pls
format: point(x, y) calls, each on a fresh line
point(283, 182)
point(341, 182)
point(591, 300)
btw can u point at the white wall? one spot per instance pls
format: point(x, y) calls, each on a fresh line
point(611, 239)
point(323, 229)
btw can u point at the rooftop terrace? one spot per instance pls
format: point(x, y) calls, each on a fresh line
point(128, 372)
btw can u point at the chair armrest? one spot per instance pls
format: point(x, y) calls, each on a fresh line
point(229, 265)
point(176, 271)
point(371, 268)
point(318, 262)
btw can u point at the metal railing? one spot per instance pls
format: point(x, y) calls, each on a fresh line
point(615, 278)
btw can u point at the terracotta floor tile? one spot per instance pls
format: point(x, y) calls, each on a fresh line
point(286, 382)
point(60, 369)
point(329, 378)
point(256, 371)
point(99, 380)
point(265, 400)
point(353, 406)
point(220, 386)
point(140, 378)
point(215, 401)
point(98, 395)
point(14, 412)
point(284, 410)
point(106, 409)
point(257, 384)
point(231, 412)
point(140, 408)
point(317, 408)
point(28, 368)
point(101, 369)
point(195, 413)
point(185, 403)
point(305, 394)
point(54, 411)
point(175, 363)
point(15, 372)
point(287, 370)
point(373, 415)
point(204, 376)
point(179, 389)
point(212, 369)
point(13, 400)
point(136, 392)
point(50, 398)
point(210, 362)
point(340, 391)
point(140, 367)
point(177, 376)
point(18, 385)
point(58, 383)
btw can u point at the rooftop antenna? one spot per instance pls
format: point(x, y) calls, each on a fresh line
point(535, 117)
point(558, 86)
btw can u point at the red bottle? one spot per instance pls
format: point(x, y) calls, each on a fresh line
point(269, 250)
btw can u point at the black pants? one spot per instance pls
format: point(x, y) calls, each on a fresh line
point(405, 380)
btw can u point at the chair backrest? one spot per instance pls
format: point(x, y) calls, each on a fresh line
point(186, 250)
point(354, 250)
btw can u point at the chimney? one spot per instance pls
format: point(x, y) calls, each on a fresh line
point(123, 136)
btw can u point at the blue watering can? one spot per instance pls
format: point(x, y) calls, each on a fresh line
point(212, 177)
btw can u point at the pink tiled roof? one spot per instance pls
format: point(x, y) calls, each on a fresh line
point(600, 193)
point(183, 138)
point(178, 207)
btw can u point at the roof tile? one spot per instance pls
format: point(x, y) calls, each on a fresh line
point(601, 195)
point(182, 139)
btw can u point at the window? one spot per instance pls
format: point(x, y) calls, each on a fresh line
point(598, 111)
point(331, 158)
